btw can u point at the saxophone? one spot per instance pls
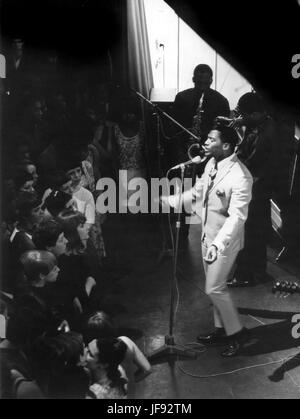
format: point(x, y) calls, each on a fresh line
point(197, 120)
point(196, 130)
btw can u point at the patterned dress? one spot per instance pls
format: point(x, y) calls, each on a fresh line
point(131, 162)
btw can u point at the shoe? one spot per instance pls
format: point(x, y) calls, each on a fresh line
point(232, 350)
point(238, 283)
point(216, 337)
point(236, 344)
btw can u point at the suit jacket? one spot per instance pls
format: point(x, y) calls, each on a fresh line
point(187, 102)
point(227, 205)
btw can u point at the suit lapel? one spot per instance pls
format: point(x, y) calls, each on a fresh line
point(224, 172)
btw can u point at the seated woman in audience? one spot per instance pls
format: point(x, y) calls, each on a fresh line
point(28, 215)
point(49, 236)
point(35, 313)
point(108, 379)
point(86, 205)
point(76, 267)
point(136, 365)
point(28, 167)
point(75, 283)
point(24, 181)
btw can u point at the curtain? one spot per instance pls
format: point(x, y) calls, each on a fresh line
point(139, 59)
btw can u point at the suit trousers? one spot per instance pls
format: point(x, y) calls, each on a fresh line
point(225, 313)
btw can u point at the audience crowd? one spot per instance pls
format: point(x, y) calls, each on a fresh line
point(59, 290)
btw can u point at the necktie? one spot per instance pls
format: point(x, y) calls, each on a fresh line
point(212, 176)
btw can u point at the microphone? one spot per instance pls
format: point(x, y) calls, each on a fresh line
point(224, 120)
point(195, 160)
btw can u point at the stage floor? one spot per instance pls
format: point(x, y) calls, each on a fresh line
point(145, 293)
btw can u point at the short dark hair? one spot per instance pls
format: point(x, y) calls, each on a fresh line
point(250, 103)
point(99, 325)
point(70, 220)
point(228, 135)
point(25, 203)
point(46, 234)
point(112, 352)
point(57, 179)
point(58, 352)
point(203, 68)
point(56, 202)
point(36, 262)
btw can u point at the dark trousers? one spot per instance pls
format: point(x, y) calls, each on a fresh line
point(252, 260)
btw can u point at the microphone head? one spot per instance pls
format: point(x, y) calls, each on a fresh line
point(196, 160)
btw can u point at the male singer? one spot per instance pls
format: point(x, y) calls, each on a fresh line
point(190, 105)
point(224, 193)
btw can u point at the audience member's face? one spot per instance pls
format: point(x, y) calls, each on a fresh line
point(202, 81)
point(31, 169)
point(27, 186)
point(214, 147)
point(91, 355)
point(75, 175)
point(67, 187)
point(60, 247)
point(83, 231)
point(37, 215)
point(52, 275)
point(18, 45)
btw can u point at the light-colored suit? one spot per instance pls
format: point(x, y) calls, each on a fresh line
point(223, 220)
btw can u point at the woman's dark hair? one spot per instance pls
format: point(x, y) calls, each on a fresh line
point(36, 262)
point(112, 352)
point(99, 325)
point(57, 179)
point(46, 234)
point(55, 363)
point(56, 202)
point(59, 352)
point(26, 202)
point(70, 221)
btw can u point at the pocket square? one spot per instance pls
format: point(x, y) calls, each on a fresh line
point(220, 193)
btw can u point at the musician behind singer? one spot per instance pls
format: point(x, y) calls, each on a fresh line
point(197, 108)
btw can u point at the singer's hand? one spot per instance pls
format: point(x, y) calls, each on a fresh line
point(168, 202)
point(212, 255)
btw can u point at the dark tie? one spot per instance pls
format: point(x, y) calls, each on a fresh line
point(212, 176)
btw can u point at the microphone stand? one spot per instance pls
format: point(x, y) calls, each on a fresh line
point(170, 349)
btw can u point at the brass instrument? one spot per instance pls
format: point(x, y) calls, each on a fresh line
point(197, 129)
point(197, 120)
